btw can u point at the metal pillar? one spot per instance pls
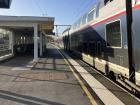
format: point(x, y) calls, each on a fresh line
point(12, 43)
point(43, 43)
point(130, 41)
point(36, 38)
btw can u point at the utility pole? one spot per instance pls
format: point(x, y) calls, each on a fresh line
point(129, 19)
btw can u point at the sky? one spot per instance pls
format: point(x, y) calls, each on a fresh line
point(66, 12)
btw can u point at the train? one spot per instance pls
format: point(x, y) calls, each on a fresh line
point(99, 38)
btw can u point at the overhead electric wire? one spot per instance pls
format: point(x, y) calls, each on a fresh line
point(86, 4)
point(37, 4)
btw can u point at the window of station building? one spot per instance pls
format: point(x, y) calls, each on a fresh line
point(4, 39)
point(113, 34)
point(90, 16)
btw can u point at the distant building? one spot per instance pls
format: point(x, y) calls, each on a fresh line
point(5, 3)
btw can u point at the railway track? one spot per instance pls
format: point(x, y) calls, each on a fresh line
point(114, 86)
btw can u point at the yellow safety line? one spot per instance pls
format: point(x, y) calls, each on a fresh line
point(92, 100)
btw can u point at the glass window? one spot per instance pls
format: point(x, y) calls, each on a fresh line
point(99, 48)
point(1, 39)
point(84, 19)
point(73, 26)
point(113, 34)
point(78, 23)
point(4, 39)
point(85, 47)
point(107, 1)
point(92, 48)
point(90, 16)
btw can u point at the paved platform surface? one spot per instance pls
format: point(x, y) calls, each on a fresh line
point(49, 82)
point(109, 93)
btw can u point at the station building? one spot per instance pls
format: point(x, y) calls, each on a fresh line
point(24, 34)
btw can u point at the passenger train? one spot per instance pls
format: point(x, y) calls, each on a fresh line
point(99, 37)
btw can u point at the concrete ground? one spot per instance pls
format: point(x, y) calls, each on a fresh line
point(49, 82)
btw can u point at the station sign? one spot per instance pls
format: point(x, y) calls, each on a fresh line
point(47, 26)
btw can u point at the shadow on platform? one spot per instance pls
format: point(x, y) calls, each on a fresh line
point(24, 99)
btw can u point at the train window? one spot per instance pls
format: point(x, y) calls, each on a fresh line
point(84, 19)
point(92, 48)
point(107, 1)
point(98, 48)
point(85, 47)
point(113, 34)
point(79, 23)
point(75, 25)
point(90, 15)
point(134, 2)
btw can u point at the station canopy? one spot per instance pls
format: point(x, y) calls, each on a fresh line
point(5, 3)
point(45, 24)
point(47, 27)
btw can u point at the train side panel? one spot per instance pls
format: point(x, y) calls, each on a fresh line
point(91, 43)
point(136, 42)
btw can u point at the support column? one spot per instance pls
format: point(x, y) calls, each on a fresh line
point(36, 38)
point(13, 42)
point(41, 41)
point(46, 42)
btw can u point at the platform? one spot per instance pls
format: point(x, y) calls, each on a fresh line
point(48, 82)
point(100, 86)
point(58, 78)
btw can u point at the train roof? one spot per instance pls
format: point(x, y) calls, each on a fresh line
point(94, 12)
point(84, 18)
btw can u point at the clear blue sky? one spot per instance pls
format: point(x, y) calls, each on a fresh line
point(64, 11)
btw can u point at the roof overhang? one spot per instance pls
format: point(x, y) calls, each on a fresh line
point(5, 3)
point(44, 23)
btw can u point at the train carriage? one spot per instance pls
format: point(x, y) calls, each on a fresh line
point(99, 38)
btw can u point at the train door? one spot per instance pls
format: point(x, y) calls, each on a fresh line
point(92, 48)
point(99, 49)
point(85, 47)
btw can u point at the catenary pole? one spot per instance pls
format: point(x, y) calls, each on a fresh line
point(129, 19)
